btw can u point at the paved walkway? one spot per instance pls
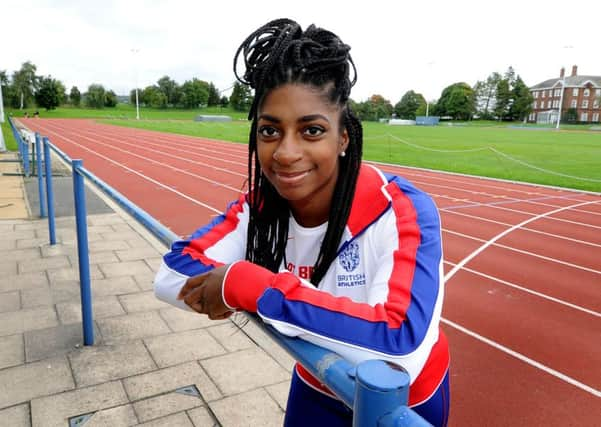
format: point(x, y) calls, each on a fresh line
point(151, 364)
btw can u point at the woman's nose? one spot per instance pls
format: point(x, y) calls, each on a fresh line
point(288, 150)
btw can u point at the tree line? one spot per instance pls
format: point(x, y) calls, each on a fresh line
point(498, 97)
point(24, 88)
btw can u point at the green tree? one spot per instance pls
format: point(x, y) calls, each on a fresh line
point(241, 98)
point(224, 101)
point(457, 101)
point(49, 94)
point(95, 96)
point(485, 95)
point(521, 106)
point(170, 89)
point(75, 96)
point(132, 96)
point(502, 99)
point(152, 96)
point(409, 104)
point(7, 89)
point(110, 99)
point(213, 98)
point(25, 83)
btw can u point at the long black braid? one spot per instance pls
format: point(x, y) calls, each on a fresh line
point(275, 54)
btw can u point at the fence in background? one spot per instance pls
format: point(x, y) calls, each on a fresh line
point(376, 390)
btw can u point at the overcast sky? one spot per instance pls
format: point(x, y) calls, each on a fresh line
point(397, 45)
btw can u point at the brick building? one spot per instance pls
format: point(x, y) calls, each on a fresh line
point(581, 98)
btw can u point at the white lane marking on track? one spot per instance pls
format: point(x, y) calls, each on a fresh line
point(524, 359)
point(530, 291)
point(521, 251)
point(179, 170)
point(179, 193)
point(531, 230)
point(504, 233)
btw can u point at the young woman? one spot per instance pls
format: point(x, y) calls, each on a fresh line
point(321, 247)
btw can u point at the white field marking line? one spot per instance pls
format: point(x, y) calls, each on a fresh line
point(509, 199)
point(154, 181)
point(147, 142)
point(521, 251)
point(494, 150)
point(532, 230)
point(526, 213)
point(509, 230)
point(145, 147)
point(173, 168)
point(472, 180)
point(529, 291)
point(524, 359)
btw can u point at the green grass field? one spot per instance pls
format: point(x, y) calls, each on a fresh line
point(569, 158)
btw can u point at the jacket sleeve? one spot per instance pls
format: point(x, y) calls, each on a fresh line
point(221, 242)
point(399, 320)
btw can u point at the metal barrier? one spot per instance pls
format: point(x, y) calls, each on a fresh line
point(376, 390)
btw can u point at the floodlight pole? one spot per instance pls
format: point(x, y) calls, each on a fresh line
point(563, 89)
point(2, 144)
point(135, 51)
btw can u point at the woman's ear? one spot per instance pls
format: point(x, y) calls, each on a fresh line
point(344, 141)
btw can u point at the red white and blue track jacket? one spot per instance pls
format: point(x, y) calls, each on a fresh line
point(381, 298)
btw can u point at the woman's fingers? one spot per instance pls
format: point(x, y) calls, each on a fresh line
point(191, 283)
point(195, 299)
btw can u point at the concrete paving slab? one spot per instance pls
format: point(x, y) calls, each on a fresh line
point(181, 320)
point(252, 408)
point(57, 341)
point(120, 416)
point(103, 245)
point(244, 370)
point(12, 350)
point(105, 219)
point(230, 336)
point(279, 393)
point(49, 250)
point(165, 380)
point(141, 301)
point(55, 410)
point(64, 291)
point(201, 417)
point(43, 264)
point(104, 257)
point(127, 268)
point(31, 243)
point(16, 322)
point(19, 254)
point(180, 420)
point(19, 234)
point(10, 301)
point(102, 307)
point(268, 345)
point(16, 416)
point(140, 253)
point(114, 286)
point(94, 365)
point(8, 268)
point(165, 404)
point(22, 281)
point(145, 281)
point(37, 296)
point(181, 347)
point(132, 327)
point(25, 382)
point(65, 274)
point(7, 245)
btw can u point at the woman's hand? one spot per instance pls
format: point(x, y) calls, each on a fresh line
point(203, 294)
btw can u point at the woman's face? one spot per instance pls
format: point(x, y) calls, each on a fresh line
point(299, 141)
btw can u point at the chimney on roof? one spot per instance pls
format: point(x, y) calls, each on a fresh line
point(562, 73)
point(574, 70)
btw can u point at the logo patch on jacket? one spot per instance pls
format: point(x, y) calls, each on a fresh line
point(349, 257)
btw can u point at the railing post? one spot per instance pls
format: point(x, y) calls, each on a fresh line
point(25, 143)
point(38, 151)
point(79, 196)
point(49, 192)
point(379, 392)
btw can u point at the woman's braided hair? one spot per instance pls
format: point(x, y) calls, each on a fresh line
point(281, 52)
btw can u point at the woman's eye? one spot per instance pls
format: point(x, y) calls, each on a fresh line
point(314, 130)
point(268, 131)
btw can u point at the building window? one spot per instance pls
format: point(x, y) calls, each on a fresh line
point(575, 92)
point(587, 93)
point(549, 104)
point(597, 92)
point(584, 117)
point(596, 103)
point(574, 103)
point(585, 103)
point(595, 117)
point(556, 103)
point(557, 92)
point(535, 104)
point(535, 95)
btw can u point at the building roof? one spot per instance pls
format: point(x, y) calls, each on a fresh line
point(570, 81)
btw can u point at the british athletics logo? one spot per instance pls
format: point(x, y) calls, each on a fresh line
point(349, 259)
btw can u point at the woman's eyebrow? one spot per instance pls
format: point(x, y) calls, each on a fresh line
point(269, 118)
point(312, 117)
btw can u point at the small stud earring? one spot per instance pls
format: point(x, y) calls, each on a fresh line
point(343, 153)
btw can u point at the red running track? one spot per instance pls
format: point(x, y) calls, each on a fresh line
point(523, 266)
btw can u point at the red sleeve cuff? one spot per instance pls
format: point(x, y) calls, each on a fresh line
point(244, 283)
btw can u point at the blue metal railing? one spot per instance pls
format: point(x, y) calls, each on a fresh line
point(376, 391)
